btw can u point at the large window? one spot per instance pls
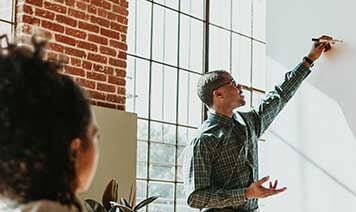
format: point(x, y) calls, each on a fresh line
point(171, 44)
point(7, 17)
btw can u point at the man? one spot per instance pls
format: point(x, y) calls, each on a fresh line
point(220, 166)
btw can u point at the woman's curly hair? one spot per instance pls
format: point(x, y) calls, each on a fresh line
point(41, 111)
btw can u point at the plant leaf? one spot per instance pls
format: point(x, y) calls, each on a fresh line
point(125, 202)
point(94, 206)
point(110, 194)
point(133, 201)
point(124, 208)
point(130, 194)
point(145, 202)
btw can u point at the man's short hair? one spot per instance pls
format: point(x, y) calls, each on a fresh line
point(208, 83)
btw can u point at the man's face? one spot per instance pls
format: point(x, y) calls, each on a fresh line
point(229, 94)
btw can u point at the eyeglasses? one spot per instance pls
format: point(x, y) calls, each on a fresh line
point(232, 82)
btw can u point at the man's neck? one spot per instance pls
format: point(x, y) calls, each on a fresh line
point(227, 113)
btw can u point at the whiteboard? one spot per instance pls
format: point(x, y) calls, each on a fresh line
point(311, 144)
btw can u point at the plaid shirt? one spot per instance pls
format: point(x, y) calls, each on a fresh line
point(222, 160)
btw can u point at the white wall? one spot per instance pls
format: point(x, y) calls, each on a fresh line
point(311, 145)
point(117, 152)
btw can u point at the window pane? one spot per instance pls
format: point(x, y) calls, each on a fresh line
point(130, 84)
point(191, 44)
point(5, 28)
point(162, 161)
point(190, 107)
point(219, 49)
point(165, 201)
point(193, 7)
point(141, 168)
point(138, 71)
point(241, 59)
point(181, 200)
point(247, 106)
point(257, 99)
point(131, 38)
point(220, 12)
point(165, 35)
point(259, 25)
point(185, 135)
point(241, 16)
point(141, 188)
point(142, 129)
point(6, 10)
point(164, 91)
point(163, 133)
point(169, 3)
point(139, 37)
point(259, 65)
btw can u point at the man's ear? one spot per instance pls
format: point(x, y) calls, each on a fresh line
point(75, 144)
point(217, 93)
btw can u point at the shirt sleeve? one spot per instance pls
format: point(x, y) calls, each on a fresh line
point(276, 99)
point(200, 192)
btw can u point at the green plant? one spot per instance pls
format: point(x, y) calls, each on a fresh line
point(110, 201)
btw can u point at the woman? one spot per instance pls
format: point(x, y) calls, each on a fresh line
point(48, 135)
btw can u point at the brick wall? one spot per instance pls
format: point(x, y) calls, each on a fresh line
point(89, 36)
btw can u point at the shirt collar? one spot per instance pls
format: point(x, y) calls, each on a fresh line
point(221, 119)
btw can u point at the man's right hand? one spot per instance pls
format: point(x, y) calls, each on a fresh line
point(257, 190)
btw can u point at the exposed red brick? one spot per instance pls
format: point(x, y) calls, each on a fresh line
point(44, 14)
point(117, 63)
point(98, 39)
point(96, 76)
point(107, 51)
point(55, 47)
point(89, 27)
point(121, 107)
point(117, 80)
point(74, 71)
point(78, 14)
point(97, 58)
point(105, 87)
point(66, 20)
point(86, 83)
point(120, 72)
point(70, 2)
point(75, 62)
point(38, 3)
point(87, 65)
point(96, 95)
point(102, 13)
point(52, 26)
point(65, 39)
point(120, 10)
point(101, 21)
point(76, 33)
point(55, 7)
point(28, 19)
point(104, 104)
point(87, 46)
point(122, 55)
point(81, 5)
point(74, 52)
point(115, 98)
point(25, 9)
point(92, 9)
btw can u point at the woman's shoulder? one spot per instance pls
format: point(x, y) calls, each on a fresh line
point(36, 206)
point(47, 205)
